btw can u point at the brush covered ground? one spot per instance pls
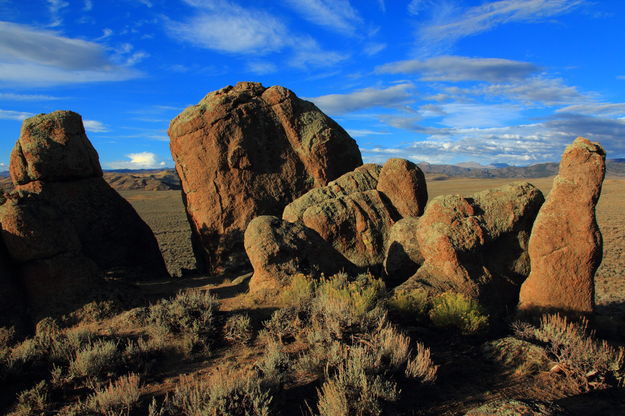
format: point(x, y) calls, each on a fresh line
point(198, 345)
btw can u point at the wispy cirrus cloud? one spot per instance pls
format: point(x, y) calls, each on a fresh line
point(41, 57)
point(393, 96)
point(336, 15)
point(450, 23)
point(55, 8)
point(461, 68)
point(595, 109)
point(14, 115)
point(227, 27)
point(8, 96)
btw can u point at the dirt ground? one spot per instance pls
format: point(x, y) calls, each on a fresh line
point(164, 213)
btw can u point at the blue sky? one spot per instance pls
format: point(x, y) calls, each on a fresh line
point(443, 81)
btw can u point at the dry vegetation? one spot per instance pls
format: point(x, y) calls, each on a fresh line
point(341, 346)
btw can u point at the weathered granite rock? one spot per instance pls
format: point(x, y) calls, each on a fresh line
point(246, 151)
point(63, 226)
point(279, 249)
point(404, 184)
point(363, 178)
point(565, 247)
point(477, 245)
point(357, 225)
point(403, 257)
point(53, 147)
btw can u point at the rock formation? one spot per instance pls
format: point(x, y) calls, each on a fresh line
point(356, 212)
point(63, 225)
point(11, 297)
point(278, 250)
point(403, 257)
point(246, 151)
point(477, 245)
point(404, 184)
point(565, 248)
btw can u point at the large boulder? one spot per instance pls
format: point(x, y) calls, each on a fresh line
point(356, 212)
point(477, 245)
point(279, 249)
point(565, 247)
point(246, 151)
point(363, 178)
point(357, 225)
point(63, 225)
point(404, 184)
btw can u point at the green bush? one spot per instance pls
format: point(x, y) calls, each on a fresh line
point(32, 401)
point(454, 310)
point(238, 329)
point(410, 304)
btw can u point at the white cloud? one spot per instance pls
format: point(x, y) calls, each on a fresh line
point(337, 15)
point(94, 126)
point(88, 6)
point(225, 26)
point(595, 109)
point(467, 115)
point(394, 96)
point(514, 144)
point(14, 115)
point(450, 26)
point(262, 67)
point(55, 7)
point(40, 57)
point(7, 96)
point(460, 68)
point(142, 160)
point(374, 48)
point(364, 133)
point(547, 91)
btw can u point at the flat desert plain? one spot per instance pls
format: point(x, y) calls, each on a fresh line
point(164, 213)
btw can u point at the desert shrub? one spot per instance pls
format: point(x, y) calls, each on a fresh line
point(300, 290)
point(32, 401)
point(454, 310)
point(238, 329)
point(224, 394)
point(586, 361)
point(95, 359)
point(274, 366)
point(521, 356)
point(354, 391)
point(118, 398)
point(409, 304)
point(7, 338)
point(189, 317)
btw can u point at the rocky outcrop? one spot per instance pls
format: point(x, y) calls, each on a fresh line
point(63, 225)
point(403, 257)
point(363, 178)
point(246, 151)
point(404, 184)
point(279, 249)
point(477, 245)
point(565, 248)
point(356, 212)
point(356, 225)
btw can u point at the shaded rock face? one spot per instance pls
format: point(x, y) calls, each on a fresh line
point(279, 249)
point(477, 245)
point(403, 257)
point(565, 248)
point(11, 296)
point(63, 225)
point(356, 212)
point(246, 151)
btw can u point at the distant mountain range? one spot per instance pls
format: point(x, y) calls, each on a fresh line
point(167, 179)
